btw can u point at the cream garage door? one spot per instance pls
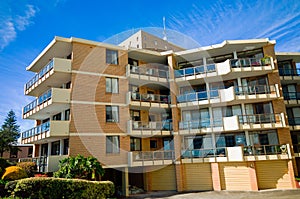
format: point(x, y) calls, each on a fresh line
point(164, 179)
point(234, 176)
point(273, 174)
point(198, 177)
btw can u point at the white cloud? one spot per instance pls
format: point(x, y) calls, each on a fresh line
point(7, 33)
point(218, 21)
point(10, 25)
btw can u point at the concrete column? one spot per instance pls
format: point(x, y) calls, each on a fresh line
point(49, 149)
point(40, 149)
point(247, 138)
point(216, 176)
point(33, 151)
point(235, 55)
point(180, 177)
point(61, 147)
point(125, 182)
point(291, 173)
point(253, 178)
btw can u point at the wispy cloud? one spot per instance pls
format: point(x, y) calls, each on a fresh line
point(218, 21)
point(10, 24)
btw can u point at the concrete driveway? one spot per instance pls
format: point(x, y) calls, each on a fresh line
point(265, 194)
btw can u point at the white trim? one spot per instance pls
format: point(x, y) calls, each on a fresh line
point(98, 103)
point(99, 134)
point(98, 74)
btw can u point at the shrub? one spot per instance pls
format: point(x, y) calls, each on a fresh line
point(29, 167)
point(61, 188)
point(80, 167)
point(3, 164)
point(14, 173)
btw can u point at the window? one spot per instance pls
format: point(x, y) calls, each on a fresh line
point(112, 114)
point(111, 56)
point(30, 151)
point(55, 148)
point(57, 116)
point(112, 85)
point(135, 144)
point(153, 144)
point(112, 144)
point(66, 147)
point(67, 115)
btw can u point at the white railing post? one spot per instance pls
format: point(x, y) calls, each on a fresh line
point(130, 159)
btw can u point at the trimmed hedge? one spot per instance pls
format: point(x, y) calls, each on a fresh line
point(48, 187)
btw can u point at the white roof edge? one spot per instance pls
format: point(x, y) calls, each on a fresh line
point(145, 51)
point(225, 42)
point(287, 53)
point(97, 43)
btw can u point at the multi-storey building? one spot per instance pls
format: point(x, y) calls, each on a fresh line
point(211, 118)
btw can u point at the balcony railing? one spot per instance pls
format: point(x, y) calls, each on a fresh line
point(289, 72)
point(198, 124)
point(165, 99)
point(41, 162)
point(153, 72)
point(291, 95)
point(36, 130)
point(153, 155)
point(294, 121)
point(259, 118)
point(163, 125)
point(204, 153)
point(197, 96)
point(249, 62)
point(254, 90)
point(41, 99)
point(39, 75)
point(265, 150)
point(195, 70)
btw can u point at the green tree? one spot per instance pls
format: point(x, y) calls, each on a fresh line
point(9, 132)
point(80, 167)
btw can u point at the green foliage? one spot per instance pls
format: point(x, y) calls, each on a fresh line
point(60, 188)
point(3, 164)
point(14, 173)
point(80, 167)
point(29, 167)
point(9, 132)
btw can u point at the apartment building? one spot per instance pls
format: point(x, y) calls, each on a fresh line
point(211, 118)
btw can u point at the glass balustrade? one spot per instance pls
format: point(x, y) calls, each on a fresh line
point(40, 100)
point(36, 130)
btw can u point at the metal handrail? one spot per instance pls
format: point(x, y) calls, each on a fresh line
point(265, 149)
point(38, 101)
point(40, 74)
point(249, 62)
point(153, 72)
point(289, 72)
point(36, 130)
point(155, 125)
point(135, 96)
point(202, 69)
point(259, 118)
point(294, 121)
point(204, 153)
point(198, 96)
point(291, 95)
point(153, 155)
point(253, 90)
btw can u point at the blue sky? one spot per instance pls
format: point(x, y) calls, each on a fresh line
point(26, 27)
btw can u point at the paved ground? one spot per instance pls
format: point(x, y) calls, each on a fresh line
point(265, 194)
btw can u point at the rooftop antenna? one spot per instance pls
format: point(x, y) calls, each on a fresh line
point(164, 32)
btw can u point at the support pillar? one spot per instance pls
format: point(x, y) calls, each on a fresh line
point(215, 172)
point(253, 178)
point(61, 147)
point(125, 182)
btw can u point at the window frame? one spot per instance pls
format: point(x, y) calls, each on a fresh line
point(134, 145)
point(109, 57)
point(112, 120)
point(112, 90)
point(110, 146)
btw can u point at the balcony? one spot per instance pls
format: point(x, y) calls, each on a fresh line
point(291, 98)
point(51, 102)
point(233, 123)
point(296, 148)
point(46, 130)
point(148, 100)
point(45, 163)
point(294, 123)
point(291, 75)
point(54, 74)
point(140, 74)
point(231, 95)
point(236, 154)
point(149, 158)
point(227, 69)
point(139, 128)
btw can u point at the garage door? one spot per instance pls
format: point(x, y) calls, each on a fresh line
point(164, 179)
point(273, 174)
point(198, 177)
point(234, 176)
